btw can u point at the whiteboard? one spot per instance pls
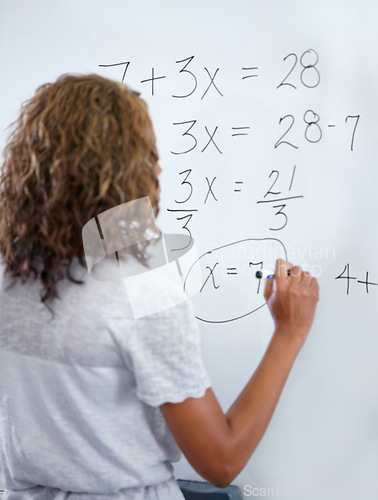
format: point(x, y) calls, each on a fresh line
point(266, 118)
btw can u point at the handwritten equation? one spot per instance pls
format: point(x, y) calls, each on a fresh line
point(306, 63)
point(194, 135)
point(229, 271)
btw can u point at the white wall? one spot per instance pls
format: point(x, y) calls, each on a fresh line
point(322, 441)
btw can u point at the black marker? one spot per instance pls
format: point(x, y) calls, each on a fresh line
point(266, 274)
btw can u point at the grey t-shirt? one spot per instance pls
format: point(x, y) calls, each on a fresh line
point(80, 392)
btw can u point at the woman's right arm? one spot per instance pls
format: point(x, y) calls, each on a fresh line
point(218, 445)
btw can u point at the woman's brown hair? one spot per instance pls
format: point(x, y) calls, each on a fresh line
point(80, 146)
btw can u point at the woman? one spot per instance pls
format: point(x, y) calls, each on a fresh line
point(93, 401)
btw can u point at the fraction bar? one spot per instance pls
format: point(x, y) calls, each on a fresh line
point(280, 199)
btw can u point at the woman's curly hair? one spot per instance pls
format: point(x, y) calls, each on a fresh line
point(80, 146)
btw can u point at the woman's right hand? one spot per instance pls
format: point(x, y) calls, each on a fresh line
point(292, 299)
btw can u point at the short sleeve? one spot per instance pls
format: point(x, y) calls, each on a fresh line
point(164, 351)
